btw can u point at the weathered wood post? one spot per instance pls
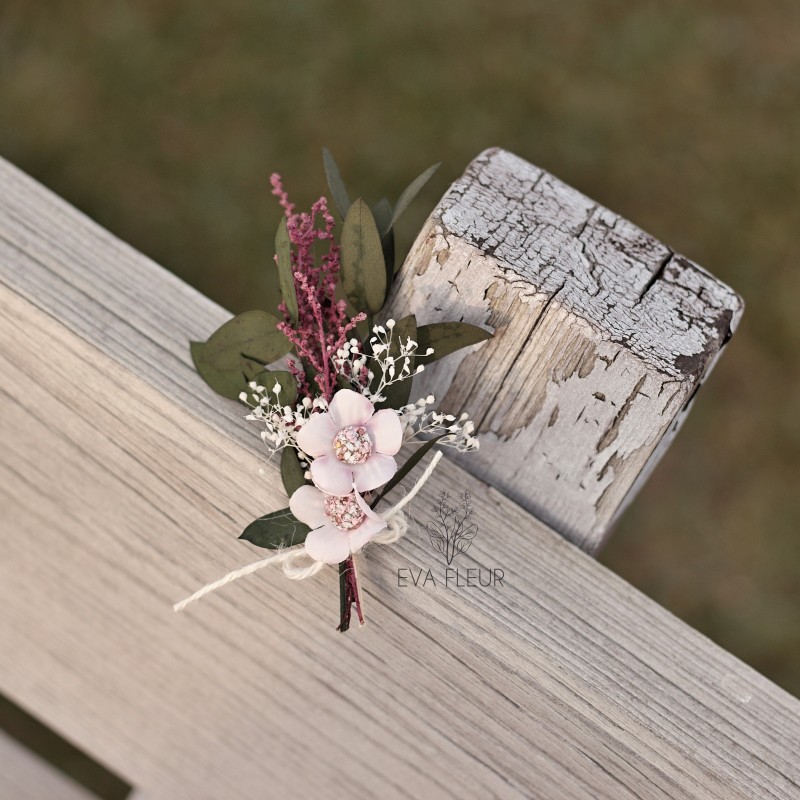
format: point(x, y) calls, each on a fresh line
point(602, 337)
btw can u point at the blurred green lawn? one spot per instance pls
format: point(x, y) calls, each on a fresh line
point(163, 120)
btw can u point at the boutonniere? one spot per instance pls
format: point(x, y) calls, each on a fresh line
point(329, 386)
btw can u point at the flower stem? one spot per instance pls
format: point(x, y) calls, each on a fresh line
point(349, 594)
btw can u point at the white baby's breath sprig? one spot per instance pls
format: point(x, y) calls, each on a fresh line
point(421, 421)
point(390, 364)
point(281, 421)
point(351, 363)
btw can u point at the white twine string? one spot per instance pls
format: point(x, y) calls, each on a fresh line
point(396, 522)
point(288, 558)
point(292, 557)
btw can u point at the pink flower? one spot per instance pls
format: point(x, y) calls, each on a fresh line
point(341, 525)
point(351, 444)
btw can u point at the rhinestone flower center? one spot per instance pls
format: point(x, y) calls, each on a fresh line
point(345, 512)
point(352, 444)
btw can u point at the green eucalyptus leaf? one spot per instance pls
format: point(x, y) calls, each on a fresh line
point(283, 251)
point(227, 382)
point(382, 211)
point(253, 333)
point(387, 248)
point(239, 350)
point(408, 195)
point(292, 473)
point(412, 462)
point(398, 393)
point(446, 338)
point(335, 183)
point(278, 529)
point(363, 269)
point(392, 268)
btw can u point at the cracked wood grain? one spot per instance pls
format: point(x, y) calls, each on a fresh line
point(123, 483)
point(602, 336)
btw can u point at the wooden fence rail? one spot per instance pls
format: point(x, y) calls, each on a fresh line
point(123, 484)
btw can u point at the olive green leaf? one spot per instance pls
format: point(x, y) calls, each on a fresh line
point(408, 195)
point(397, 394)
point(382, 211)
point(446, 338)
point(392, 265)
point(283, 251)
point(278, 529)
point(335, 183)
point(363, 269)
point(227, 382)
point(292, 474)
point(239, 350)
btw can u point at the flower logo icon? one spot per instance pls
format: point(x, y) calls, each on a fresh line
point(452, 532)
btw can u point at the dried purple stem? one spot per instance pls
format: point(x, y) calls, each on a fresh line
point(349, 594)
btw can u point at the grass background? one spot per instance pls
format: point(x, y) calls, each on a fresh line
point(162, 120)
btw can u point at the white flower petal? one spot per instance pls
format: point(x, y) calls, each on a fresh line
point(350, 408)
point(308, 504)
point(328, 544)
point(374, 472)
point(316, 436)
point(365, 532)
point(385, 431)
point(332, 475)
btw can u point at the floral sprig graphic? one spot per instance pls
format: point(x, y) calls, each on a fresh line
point(337, 412)
point(453, 533)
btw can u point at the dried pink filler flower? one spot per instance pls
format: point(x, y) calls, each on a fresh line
point(322, 326)
point(340, 526)
point(351, 444)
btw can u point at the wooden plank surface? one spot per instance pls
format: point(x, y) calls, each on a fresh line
point(123, 484)
point(25, 776)
point(602, 337)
